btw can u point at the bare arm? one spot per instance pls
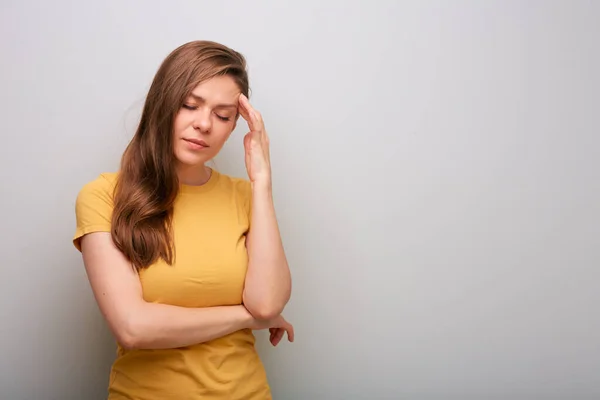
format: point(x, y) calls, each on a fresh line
point(268, 280)
point(138, 324)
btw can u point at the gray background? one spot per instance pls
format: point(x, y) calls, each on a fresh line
point(436, 171)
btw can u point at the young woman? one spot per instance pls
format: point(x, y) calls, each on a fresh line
point(184, 262)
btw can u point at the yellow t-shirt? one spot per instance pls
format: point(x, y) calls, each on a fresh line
point(209, 226)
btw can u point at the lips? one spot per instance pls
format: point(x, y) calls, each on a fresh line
point(197, 142)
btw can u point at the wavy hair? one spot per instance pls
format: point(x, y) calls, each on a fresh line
point(147, 183)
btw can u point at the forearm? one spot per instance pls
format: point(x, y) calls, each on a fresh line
point(268, 280)
point(161, 326)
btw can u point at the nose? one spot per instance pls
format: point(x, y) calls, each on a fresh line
point(202, 121)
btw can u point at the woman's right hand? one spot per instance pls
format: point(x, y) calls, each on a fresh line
point(277, 326)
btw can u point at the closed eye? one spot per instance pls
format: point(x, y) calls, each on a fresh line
point(193, 108)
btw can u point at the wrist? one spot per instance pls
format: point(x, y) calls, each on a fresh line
point(262, 186)
point(246, 319)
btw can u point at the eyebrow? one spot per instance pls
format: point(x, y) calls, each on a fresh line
point(200, 99)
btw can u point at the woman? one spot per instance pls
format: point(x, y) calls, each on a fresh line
point(184, 262)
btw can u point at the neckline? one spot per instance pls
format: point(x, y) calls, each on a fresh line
point(193, 189)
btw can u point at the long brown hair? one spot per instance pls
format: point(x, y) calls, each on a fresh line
point(147, 183)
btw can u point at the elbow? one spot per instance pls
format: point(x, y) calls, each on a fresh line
point(265, 305)
point(264, 309)
point(127, 339)
point(128, 343)
point(265, 312)
point(128, 335)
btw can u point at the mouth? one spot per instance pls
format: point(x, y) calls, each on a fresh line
point(197, 143)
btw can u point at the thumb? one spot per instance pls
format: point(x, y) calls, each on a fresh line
point(247, 140)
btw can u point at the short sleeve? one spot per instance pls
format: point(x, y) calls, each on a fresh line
point(93, 208)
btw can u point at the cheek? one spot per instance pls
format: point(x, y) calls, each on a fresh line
point(223, 133)
point(182, 121)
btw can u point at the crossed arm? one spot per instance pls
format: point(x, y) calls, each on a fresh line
point(139, 324)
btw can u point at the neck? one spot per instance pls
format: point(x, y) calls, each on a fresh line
point(193, 175)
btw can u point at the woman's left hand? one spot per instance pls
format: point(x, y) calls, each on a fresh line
point(256, 145)
point(275, 335)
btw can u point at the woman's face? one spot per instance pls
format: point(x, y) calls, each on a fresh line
point(205, 121)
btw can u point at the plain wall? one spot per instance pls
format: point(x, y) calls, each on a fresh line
point(436, 176)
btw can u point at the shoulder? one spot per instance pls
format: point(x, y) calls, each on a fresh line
point(94, 206)
point(239, 189)
point(104, 181)
point(240, 186)
point(101, 188)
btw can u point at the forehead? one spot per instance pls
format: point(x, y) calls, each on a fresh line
point(217, 90)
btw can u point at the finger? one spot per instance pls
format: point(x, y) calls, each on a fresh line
point(272, 336)
point(277, 337)
point(248, 109)
point(290, 332)
point(247, 140)
point(265, 140)
point(247, 160)
point(251, 116)
point(244, 112)
point(257, 137)
point(252, 141)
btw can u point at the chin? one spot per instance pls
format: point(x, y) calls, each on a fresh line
point(191, 159)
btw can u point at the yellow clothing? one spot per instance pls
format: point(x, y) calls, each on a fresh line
point(209, 226)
